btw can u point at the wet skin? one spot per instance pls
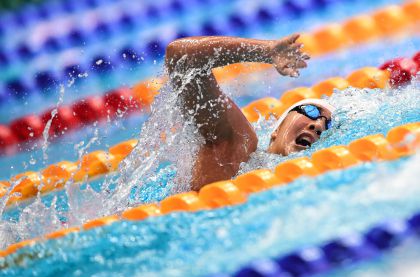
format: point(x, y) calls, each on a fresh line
point(297, 132)
point(229, 138)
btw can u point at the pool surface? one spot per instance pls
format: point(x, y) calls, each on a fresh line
point(112, 44)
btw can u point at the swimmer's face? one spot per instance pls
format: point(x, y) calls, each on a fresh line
point(297, 132)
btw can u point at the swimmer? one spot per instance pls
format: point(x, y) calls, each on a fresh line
point(229, 137)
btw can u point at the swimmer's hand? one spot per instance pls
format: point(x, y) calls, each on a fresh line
point(287, 57)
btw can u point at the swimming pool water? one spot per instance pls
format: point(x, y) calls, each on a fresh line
point(304, 213)
point(243, 90)
point(128, 74)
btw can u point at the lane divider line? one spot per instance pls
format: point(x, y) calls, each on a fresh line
point(130, 53)
point(336, 253)
point(23, 131)
point(315, 43)
point(97, 163)
point(400, 142)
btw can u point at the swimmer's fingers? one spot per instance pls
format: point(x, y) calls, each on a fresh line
point(296, 62)
point(291, 72)
point(287, 47)
point(299, 60)
point(295, 47)
point(287, 71)
point(281, 62)
point(305, 57)
point(285, 43)
point(288, 60)
point(290, 67)
point(301, 64)
point(296, 50)
point(291, 39)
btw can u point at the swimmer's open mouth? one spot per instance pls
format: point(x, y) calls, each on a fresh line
point(305, 140)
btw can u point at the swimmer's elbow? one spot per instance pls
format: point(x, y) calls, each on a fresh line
point(193, 47)
point(171, 49)
point(170, 54)
point(174, 51)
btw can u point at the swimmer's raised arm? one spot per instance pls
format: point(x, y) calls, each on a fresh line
point(190, 61)
point(229, 137)
point(218, 51)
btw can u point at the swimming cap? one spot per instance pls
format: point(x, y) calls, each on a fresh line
point(312, 101)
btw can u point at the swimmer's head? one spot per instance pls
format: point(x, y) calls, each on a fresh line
point(300, 126)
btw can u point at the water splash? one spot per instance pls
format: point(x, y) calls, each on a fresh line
point(360, 112)
point(161, 162)
point(269, 224)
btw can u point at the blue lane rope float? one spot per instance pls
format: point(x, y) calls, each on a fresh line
point(335, 253)
point(133, 54)
point(33, 14)
point(102, 28)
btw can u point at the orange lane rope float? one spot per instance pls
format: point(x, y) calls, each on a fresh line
point(92, 165)
point(387, 21)
point(400, 141)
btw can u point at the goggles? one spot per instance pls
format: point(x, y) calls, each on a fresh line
point(312, 112)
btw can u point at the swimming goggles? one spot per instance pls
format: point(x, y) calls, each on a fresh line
point(312, 112)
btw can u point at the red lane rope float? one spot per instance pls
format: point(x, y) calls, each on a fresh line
point(381, 23)
point(100, 162)
point(393, 73)
point(122, 101)
point(384, 22)
point(401, 141)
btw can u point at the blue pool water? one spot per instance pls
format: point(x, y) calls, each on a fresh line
point(304, 213)
point(243, 90)
point(129, 74)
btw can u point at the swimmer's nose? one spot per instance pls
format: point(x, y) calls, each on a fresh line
point(317, 126)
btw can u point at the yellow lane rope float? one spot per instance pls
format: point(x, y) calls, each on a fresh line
point(100, 162)
point(385, 22)
point(400, 141)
